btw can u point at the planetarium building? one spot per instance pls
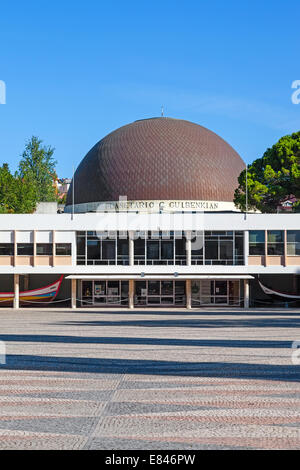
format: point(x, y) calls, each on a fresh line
point(150, 222)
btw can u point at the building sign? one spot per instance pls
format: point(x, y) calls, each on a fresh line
point(153, 206)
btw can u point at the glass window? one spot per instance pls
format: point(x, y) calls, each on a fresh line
point(293, 242)
point(211, 250)
point(239, 248)
point(123, 251)
point(139, 247)
point(167, 250)
point(80, 244)
point(275, 236)
point(257, 242)
point(25, 249)
point(44, 249)
point(197, 247)
point(275, 242)
point(108, 250)
point(166, 287)
point(152, 250)
point(63, 249)
point(7, 249)
point(153, 287)
point(226, 250)
point(93, 249)
point(139, 251)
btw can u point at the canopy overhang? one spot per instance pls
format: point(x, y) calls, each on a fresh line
point(145, 276)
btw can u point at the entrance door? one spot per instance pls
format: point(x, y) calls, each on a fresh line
point(219, 290)
point(208, 292)
point(159, 293)
point(96, 293)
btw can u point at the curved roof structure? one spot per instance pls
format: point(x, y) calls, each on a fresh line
point(158, 159)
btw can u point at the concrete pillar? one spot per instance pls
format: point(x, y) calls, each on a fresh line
point(15, 248)
point(34, 249)
point(131, 248)
point(16, 291)
point(246, 293)
point(131, 294)
point(188, 248)
point(246, 247)
point(285, 248)
point(73, 293)
point(266, 247)
point(188, 289)
point(53, 248)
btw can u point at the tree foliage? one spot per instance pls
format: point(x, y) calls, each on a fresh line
point(38, 166)
point(272, 177)
point(32, 183)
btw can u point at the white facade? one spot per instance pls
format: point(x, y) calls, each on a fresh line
point(38, 231)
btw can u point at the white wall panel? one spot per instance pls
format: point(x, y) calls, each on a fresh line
point(44, 236)
point(25, 236)
point(6, 236)
point(64, 237)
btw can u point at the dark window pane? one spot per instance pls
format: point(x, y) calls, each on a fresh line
point(25, 249)
point(63, 249)
point(239, 245)
point(153, 288)
point(211, 250)
point(166, 287)
point(152, 250)
point(139, 247)
point(293, 236)
point(275, 236)
point(44, 249)
point(256, 236)
point(123, 248)
point(80, 244)
point(180, 247)
point(108, 250)
point(7, 249)
point(93, 249)
point(257, 249)
point(226, 250)
point(166, 250)
point(275, 249)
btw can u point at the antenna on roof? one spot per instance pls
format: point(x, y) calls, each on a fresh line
point(162, 111)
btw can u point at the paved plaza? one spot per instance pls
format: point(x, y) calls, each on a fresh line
point(149, 379)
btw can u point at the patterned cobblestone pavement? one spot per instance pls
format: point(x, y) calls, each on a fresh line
point(149, 379)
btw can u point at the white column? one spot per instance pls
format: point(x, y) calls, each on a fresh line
point(188, 289)
point(131, 248)
point(188, 248)
point(131, 294)
point(73, 293)
point(16, 290)
point(246, 247)
point(246, 293)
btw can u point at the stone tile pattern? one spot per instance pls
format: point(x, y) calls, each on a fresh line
point(149, 380)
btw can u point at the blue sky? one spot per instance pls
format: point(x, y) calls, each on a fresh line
point(76, 70)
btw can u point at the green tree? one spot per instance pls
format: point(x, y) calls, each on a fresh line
point(272, 177)
point(7, 190)
point(17, 195)
point(37, 166)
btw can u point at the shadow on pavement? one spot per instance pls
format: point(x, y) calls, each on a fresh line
point(161, 368)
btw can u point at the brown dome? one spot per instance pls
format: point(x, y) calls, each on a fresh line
point(158, 159)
